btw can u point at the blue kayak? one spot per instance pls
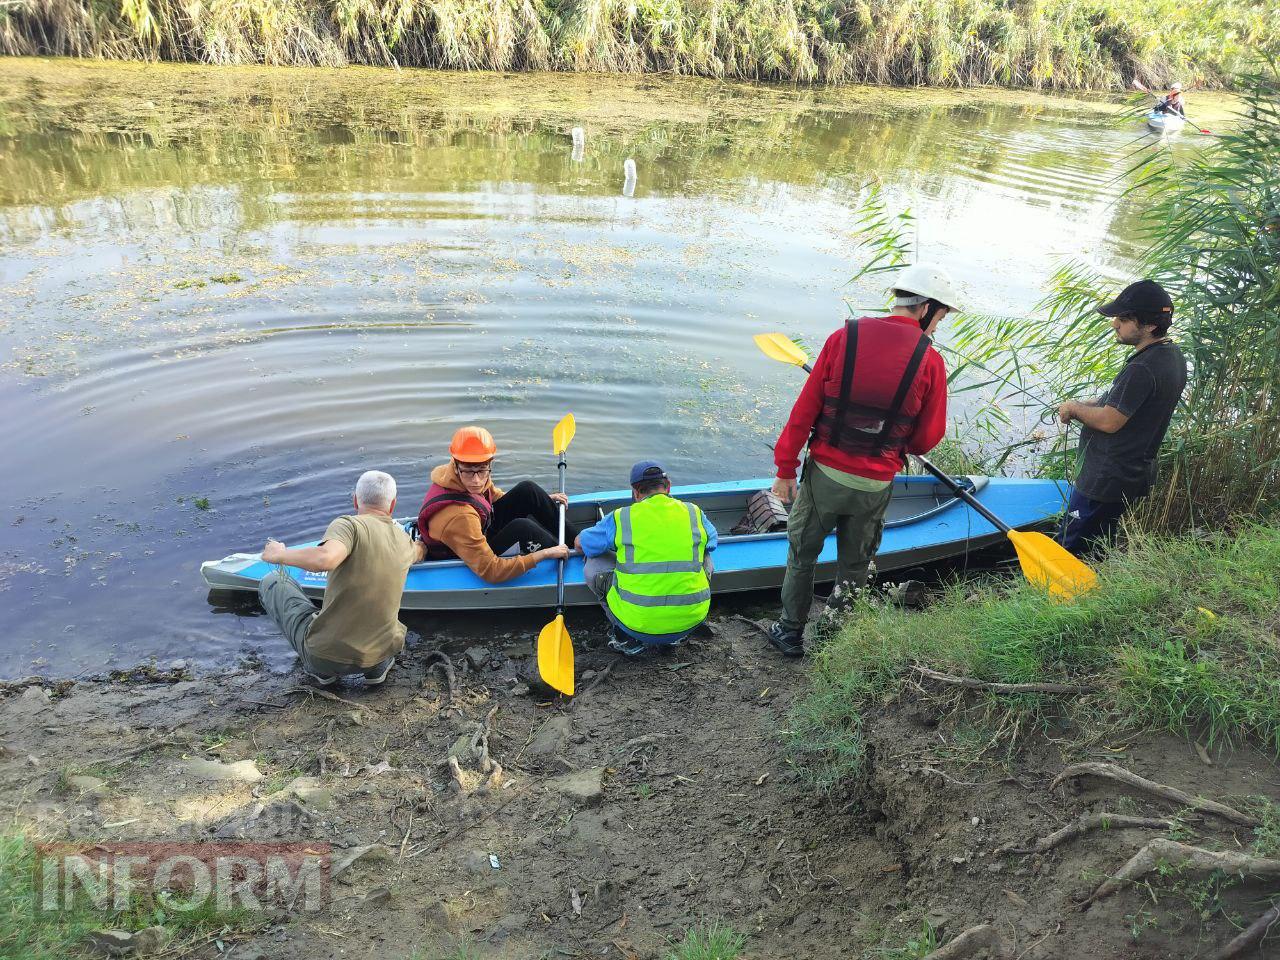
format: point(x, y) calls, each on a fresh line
point(925, 523)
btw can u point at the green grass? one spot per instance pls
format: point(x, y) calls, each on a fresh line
point(710, 942)
point(1144, 637)
point(30, 934)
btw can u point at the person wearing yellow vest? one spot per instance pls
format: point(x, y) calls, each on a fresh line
point(649, 563)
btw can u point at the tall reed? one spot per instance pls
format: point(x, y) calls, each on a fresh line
point(1033, 43)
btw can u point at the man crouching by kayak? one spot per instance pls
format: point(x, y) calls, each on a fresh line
point(648, 564)
point(465, 516)
point(366, 557)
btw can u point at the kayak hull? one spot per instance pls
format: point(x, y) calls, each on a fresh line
point(924, 524)
point(1165, 123)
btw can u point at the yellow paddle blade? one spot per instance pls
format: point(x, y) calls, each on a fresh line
point(562, 435)
point(555, 656)
point(777, 346)
point(1049, 564)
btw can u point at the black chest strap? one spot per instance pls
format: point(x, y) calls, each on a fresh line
point(846, 385)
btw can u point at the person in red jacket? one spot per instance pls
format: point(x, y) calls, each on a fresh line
point(878, 391)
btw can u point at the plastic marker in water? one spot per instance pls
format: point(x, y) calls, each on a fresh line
point(629, 173)
point(579, 143)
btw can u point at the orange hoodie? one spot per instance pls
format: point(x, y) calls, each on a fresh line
point(457, 526)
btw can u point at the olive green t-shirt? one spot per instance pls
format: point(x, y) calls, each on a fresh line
point(358, 620)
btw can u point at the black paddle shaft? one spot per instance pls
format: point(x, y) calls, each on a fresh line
point(560, 563)
point(951, 485)
point(963, 494)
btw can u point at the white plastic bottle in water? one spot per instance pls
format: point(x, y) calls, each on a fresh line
point(629, 173)
point(579, 143)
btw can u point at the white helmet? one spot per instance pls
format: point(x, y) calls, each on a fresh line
point(1176, 86)
point(928, 281)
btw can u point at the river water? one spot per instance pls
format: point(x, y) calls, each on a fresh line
point(225, 293)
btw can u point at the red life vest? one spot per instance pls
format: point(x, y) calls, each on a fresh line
point(437, 499)
point(862, 421)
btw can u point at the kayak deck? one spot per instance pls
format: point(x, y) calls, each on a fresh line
point(924, 523)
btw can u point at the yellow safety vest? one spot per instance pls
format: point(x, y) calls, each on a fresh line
point(660, 585)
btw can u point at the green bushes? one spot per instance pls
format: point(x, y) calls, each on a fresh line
point(1182, 635)
point(1058, 44)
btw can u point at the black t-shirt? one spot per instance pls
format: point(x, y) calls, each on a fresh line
point(1122, 465)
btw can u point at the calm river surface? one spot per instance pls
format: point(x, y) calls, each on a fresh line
point(224, 293)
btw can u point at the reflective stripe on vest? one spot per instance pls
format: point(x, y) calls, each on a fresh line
point(659, 584)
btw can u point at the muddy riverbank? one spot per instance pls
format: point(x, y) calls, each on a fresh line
point(664, 797)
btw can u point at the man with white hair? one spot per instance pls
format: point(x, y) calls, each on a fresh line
point(366, 557)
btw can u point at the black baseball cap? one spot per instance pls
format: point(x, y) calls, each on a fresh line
point(1146, 298)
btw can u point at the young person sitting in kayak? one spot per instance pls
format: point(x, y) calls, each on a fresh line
point(878, 391)
point(464, 515)
point(648, 563)
point(366, 557)
point(1121, 431)
point(1173, 103)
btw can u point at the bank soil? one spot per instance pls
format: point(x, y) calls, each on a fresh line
point(661, 798)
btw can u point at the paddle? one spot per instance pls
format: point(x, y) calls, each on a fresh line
point(1157, 96)
point(1044, 562)
point(555, 647)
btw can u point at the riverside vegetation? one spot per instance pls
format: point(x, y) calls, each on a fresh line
point(1058, 44)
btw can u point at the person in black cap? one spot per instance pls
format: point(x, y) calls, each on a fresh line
point(1121, 431)
point(649, 563)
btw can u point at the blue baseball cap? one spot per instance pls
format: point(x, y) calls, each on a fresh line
point(647, 470)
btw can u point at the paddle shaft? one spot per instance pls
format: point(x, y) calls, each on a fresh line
point(954, 487)
point(963, 494)
point(560, 563)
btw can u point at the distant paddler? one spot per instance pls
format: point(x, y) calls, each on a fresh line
point(1121, 431)
point(1173, 102)
point(878, 391)
point(465, 516)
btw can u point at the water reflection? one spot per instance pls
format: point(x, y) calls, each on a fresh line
point(247, 286)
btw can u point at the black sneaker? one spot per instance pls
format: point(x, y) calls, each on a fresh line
point(319, 679)
point(789, 642)
point(378, 675)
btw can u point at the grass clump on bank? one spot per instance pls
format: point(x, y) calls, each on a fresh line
point(1060, 44)
point(712, 942)
point(1182, 635)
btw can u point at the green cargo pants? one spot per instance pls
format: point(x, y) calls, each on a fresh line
point(293, 612)
point(823, 505)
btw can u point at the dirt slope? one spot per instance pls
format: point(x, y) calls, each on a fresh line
point(660, 797)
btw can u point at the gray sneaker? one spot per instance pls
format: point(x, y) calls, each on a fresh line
point(376, 676)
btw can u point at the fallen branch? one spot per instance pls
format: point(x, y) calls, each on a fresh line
point(970, 683)
point(324, 695)
point(438, 660)
point(1081, 826)
point(971, 943)
point(600, 678)
point(1251, 937)
point(1109, 771)
point(751, 623)
point(165, 741)
point(1184, 857)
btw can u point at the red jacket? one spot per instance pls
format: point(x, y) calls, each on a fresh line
point(927, 399)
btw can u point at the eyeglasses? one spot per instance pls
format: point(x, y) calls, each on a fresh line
point(483, 471)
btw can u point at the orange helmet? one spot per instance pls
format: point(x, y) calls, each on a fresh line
point(473, 445)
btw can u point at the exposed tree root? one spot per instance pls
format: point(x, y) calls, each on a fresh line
point(971, 684)
point(1109, 771)
point(1183, 857)
point(1251, 937)
point(972, 943)
point(437, 660)
point(1081, 826)
point(325, 695)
